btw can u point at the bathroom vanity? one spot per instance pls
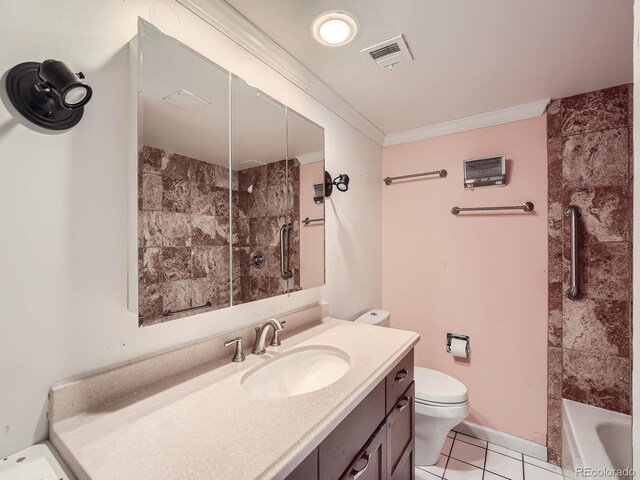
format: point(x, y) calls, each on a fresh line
point(190, 414)
point(383, 424)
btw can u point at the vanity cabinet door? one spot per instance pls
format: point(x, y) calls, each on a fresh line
point(400, 427)
point(342, 445)
point(399, 379)
point(371, 463)
point(307, 470)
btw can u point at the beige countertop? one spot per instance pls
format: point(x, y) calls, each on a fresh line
point(203, 425)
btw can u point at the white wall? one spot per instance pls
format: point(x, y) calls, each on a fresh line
point(63, 246)
point(636, 235)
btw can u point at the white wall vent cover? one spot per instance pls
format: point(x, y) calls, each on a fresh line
point(186, 100)
point(389, 53)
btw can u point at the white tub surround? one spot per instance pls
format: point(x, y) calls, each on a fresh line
point(596, 443)
point(184, 414)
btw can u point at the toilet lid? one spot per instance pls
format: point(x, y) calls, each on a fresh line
point(438, 387)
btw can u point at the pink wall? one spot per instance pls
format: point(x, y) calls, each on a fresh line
point(480, 275)
point(312, 235)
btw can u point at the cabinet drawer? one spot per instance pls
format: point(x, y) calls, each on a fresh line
point(371, 463)
point(342, 445)
point(307, 470)
point(400, 438)
point(399, 379)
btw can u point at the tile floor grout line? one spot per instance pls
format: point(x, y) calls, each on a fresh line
point(449, 456)
point(453, 441)
point(474, 444)
point(522, 460)
point(467, 463)
point(484, 465)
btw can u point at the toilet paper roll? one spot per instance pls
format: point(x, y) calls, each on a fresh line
point(459, 347)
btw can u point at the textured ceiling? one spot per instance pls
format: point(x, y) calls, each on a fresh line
point(471, 57)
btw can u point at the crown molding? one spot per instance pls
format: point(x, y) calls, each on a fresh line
point(311, 157)
point(511, 114)
point(224, 18)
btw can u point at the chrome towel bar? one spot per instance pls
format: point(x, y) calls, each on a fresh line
point(573, 292)
point(308, 220)
point(527, 207)
point(389, 180)
point(168, 312)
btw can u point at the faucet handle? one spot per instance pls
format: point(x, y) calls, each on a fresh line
point(275, 341)
point(238, 356)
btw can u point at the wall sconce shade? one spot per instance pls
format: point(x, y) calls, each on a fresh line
point(48, 94)
point(341, 182)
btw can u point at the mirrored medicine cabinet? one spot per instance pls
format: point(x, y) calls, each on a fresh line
point(226, 177)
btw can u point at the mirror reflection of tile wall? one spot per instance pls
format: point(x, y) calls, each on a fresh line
point(204, 207)
point(184, 238)
point(261, 214)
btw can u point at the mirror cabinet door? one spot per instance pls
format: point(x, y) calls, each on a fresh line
point(305, 201)
point(258, 160)
point(183, 180)
point(220, 226)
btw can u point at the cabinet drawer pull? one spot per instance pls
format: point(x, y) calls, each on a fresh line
point(401, 375)
point(402, 404)
point(355, 472)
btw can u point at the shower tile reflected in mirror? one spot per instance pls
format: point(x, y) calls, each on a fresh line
point(259, 152)
point(217, 229)
point(183, 180)
point(278, 156)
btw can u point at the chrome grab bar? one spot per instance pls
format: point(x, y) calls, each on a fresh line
point(308, 220)
point(389, 180)
point(285, 252)
point(169, 312)
point(282, 267)
point(573, 293)
point(526, 207)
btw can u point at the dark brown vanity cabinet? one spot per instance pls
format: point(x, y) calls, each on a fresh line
point(307, 470)
point(376, 441)
point(371, 463)
point(400, 426)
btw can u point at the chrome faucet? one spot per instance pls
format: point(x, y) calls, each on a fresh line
point(261, 335)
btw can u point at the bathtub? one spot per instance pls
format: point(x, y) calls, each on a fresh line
point(596, 443)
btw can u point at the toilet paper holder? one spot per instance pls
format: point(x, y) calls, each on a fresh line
point(451, 336)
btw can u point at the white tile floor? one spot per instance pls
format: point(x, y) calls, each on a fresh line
point(468, 458)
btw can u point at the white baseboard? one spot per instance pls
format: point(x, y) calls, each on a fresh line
point(505, 440)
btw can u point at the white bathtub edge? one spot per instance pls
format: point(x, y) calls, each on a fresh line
point(582, 447)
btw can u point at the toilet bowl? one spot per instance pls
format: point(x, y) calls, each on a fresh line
point(441, 402)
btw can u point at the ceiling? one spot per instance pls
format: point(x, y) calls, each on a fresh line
point(261, 126)
point(471, 57)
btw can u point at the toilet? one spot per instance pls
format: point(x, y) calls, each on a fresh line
point(441, 402)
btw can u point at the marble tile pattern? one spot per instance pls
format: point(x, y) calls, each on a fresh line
point(589, 164)
point(257, 223)
point(183, 235)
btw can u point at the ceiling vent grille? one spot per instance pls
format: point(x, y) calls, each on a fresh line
point(389, 53)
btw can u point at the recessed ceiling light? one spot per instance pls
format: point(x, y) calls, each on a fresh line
point(335, 28)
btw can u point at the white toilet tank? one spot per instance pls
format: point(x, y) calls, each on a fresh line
point(381, 318)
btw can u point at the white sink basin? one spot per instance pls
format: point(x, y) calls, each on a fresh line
point(301, 371)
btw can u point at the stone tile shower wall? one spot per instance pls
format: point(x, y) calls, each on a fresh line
point(260, 215)
point(183, 238)
point(589, 165)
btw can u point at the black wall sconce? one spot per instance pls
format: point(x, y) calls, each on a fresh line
point(48, 94)
point(341, 182)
